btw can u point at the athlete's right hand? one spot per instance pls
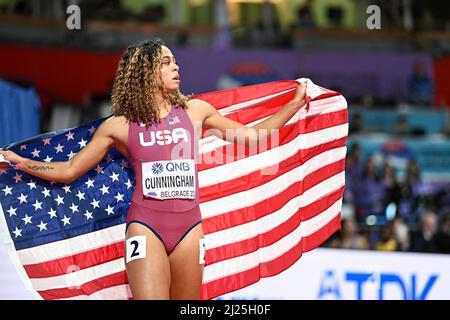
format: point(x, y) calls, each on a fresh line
point(10, 156)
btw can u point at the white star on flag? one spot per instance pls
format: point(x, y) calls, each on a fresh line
point(48, 159)
point(92, 130)
point(17, 232)
point(80, 195)
point(110, 210)
point(42, 226)
point(37, 205)
point(66, 220)
point(59, 148)
point(35, 153)
point(59, 200)
point(32, 184)
point(128, 184)
point(104, 189)
point(119, 197)
point(23, 147)
point(46, 141)
point(114, 177)
point(46, 192)
point(22, 198)
point(27, 219)
point(88, 215)
point(99, 169)
point(82, 143)
point(89, 183)
point(74, 208)
point(69, 136)
point(67, 189)
point(12, 211)
point(52, 213)
point(18, 177)
point(7, 190)
point(95, 203)
point(71, 155)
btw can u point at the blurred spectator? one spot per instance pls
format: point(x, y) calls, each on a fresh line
point(387, 240)
point(367, 99)
point(335, 15)
point(401, 234)
point(393, 189)
point(401, 126)
point(153, 14)
point(349, 237)
point(442, 237)
point(305, 17)
point(369, 193)
point(354, 164)
point(411, 193)
point(334, 241)
point(353, 171)
point(18, 7)
point(413, 172)
point(356, 124)
point(421, 86)
point(424, 240)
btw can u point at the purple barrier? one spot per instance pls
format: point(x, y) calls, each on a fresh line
point(201, 69)
point(385, 76)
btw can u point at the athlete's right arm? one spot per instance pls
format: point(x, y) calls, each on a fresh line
point(68, 171)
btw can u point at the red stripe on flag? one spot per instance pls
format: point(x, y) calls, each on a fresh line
point(317, 238)
point(257, 111)
point(87, 288)
point(313, 209)
point(269, 205)
point(269, 107)
point(225, 98)
point(233, 152)
point(76, 262)
point(266, 239)
point(243, 279)
point(255, 178)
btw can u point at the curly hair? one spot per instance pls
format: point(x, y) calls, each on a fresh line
point(135, 86)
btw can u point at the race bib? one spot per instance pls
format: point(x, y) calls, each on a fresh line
point(169, 179)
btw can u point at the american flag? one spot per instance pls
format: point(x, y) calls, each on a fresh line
point(261, 207)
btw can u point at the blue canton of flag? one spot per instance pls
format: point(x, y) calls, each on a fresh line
point(39, 211)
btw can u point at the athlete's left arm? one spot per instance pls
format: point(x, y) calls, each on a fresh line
point(236, 132)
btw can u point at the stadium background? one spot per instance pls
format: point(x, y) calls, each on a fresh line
point(395, 238)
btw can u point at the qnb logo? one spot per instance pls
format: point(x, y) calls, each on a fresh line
point(379, 285)
point(163, 137)
point(157, 168)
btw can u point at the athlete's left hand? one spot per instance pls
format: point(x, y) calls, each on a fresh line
point(300, 94)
